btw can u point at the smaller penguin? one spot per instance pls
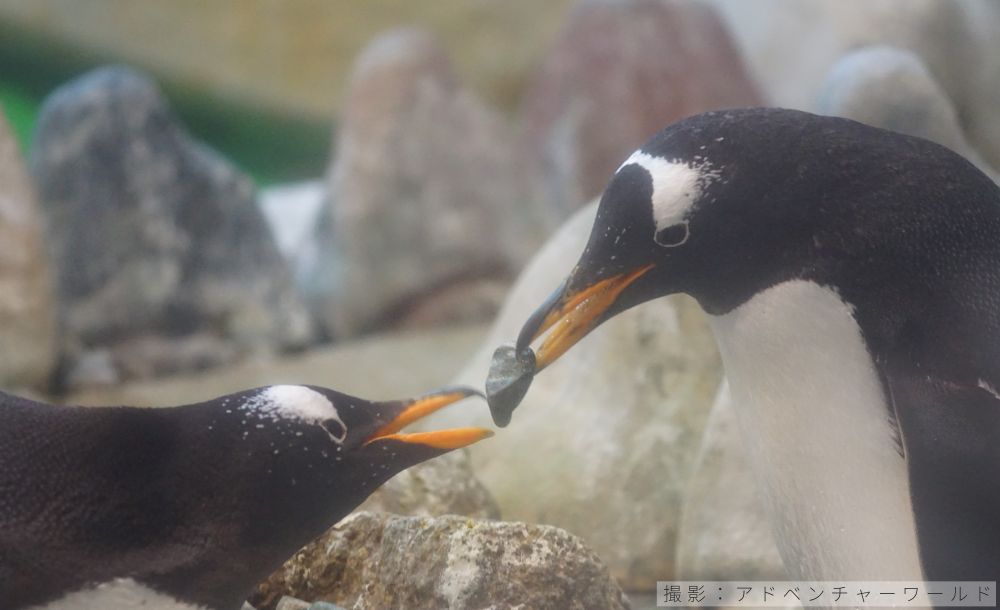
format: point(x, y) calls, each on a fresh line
point(189, 507)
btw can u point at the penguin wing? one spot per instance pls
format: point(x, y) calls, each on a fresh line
point(951, 436)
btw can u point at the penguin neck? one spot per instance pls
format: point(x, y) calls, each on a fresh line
point(819, 433)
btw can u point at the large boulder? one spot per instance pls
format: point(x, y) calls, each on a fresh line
point(154, 236)
point(27, 306)
point(725, 531)
point(619, 72)
point(959, 41)
point(604, 442)
point(892, 88)
point(425, 198)
point(373, 562)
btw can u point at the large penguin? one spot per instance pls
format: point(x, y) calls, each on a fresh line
point(852, 280)
point(189, 507)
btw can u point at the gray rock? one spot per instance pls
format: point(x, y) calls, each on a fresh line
point(958, 40)
point(452, 562)
point(151, 232)
point(619, 72)
point(27, 304)
point(892, 88)
point(604, 443)
point(424, 195)
point(725, 532)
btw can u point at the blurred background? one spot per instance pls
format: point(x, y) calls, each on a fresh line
point(199, 197)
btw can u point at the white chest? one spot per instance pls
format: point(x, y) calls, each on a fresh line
point(120, 594)
point(816, 424)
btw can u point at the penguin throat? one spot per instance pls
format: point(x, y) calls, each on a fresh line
point(817, 428)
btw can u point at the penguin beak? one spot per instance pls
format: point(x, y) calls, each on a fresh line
point(572, 314)
point(416, 409)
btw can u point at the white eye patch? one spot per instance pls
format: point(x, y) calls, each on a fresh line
point(677, 185)
point(297, 402)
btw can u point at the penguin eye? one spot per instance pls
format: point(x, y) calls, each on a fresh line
point(335, 429)
point(671, 236)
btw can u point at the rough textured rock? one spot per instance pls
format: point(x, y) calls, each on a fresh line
point(27, 306)
point(959, 41)
point(424, 194)
point(374, 562)
point(725, 532)
point(619, 72)
point(151, 232)
point(892, 88)
point(605, 440)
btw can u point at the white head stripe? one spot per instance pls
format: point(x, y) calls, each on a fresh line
point(676, 186)
point(279, 402)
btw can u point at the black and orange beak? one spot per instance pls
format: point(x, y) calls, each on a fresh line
point(407, 412)
point(572, 314)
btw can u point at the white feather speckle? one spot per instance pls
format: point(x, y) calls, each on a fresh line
point(293, 402)
point(989, 388)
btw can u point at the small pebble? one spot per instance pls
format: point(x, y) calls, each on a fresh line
point(511, 373)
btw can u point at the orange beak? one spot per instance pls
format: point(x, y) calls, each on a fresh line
point(419, 408)
point(571, 316)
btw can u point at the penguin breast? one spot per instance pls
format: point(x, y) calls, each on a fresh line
point(820, 435)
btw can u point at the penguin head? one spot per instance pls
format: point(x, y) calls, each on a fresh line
point(724, 204)
point(253, 476)
point(656, 221)
point(310, 442)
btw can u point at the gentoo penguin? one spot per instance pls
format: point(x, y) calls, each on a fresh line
point(852, 279)
point(189, 507)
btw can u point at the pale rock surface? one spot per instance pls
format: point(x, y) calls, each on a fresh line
point(27, 305)
point(424, 196)
point(725, 532)
point(605, 440)
point(374, 562)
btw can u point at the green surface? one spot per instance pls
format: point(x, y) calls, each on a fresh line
point(269, 146)
point(21, 110)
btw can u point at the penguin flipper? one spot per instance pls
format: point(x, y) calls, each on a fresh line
point(951, 435)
